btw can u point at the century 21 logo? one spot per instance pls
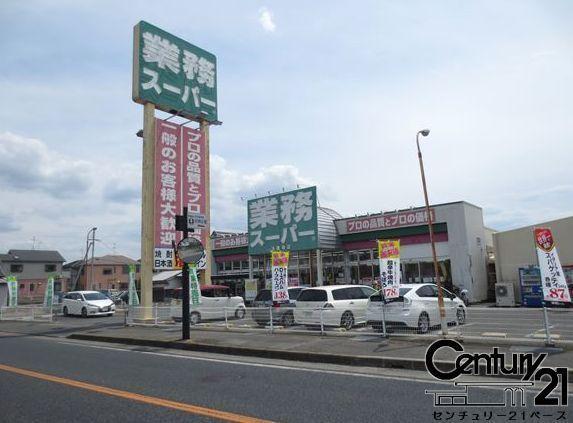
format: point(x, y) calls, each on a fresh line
point(526, 365)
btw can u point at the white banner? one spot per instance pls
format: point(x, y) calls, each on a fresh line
point(552, 276)
point(250, 289)
point(280, 276)
point(390, 275)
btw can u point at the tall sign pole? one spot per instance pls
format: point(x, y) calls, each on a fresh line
point(147, 208)
point(206, 275)
point(179, 78)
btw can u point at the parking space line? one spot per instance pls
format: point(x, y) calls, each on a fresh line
point(188, 408)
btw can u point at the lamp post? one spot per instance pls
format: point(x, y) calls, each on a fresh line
point(425, 133)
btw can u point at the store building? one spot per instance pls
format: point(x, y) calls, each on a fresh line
point(515, 255)
point(344, 250)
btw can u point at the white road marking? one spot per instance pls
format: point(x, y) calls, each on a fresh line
point(283, 367)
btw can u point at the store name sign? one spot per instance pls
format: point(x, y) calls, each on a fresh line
point(388, 221)
point(231, 241)
point(286, 221)
point(173, 74)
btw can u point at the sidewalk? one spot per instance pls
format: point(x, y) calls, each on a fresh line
point(366, 350)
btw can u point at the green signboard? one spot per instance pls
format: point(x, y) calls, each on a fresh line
point(49, 293)
point(194, 289)
point(286, 221)
point(12, 291)
point(173, 74)
point(133, 297)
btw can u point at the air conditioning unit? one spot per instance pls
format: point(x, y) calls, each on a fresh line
point(504, 294)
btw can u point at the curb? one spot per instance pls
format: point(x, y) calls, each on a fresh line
point(311, 357)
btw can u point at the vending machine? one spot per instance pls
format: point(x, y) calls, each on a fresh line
point(530, 283)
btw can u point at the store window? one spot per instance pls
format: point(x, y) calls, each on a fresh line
point(245, 265)
point(411, 273)
point(236, 265)
point(353, 255)
point(364, 255)
point(427, 271)
point(227, 265)
point(220, 267)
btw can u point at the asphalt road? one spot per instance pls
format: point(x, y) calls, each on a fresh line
point(265, 389)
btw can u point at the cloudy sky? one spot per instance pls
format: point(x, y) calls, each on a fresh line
point(325, 93)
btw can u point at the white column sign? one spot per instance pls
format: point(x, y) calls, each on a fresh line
point(552, 276)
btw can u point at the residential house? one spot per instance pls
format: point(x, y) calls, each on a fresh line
point(108, 272)
point(32, 268)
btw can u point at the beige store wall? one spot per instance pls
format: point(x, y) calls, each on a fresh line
point(515, 249)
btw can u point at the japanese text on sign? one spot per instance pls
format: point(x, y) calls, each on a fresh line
point(279, 261)
point(173, 74)
point(389, 256)
point(285, 221)
point(388, 221)
point(232, 241)
point(179, 181)
point(553, 279)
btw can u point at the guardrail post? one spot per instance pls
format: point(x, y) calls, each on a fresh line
point(271, 318)
point(384, 334)
point(548, 341)
point(156, 313)
point(125, 313)
point(226, 318)
point(1, 312)
point(321, 322)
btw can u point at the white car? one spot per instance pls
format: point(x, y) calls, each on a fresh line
point(87, 303)
point(215, 301)
point(335, 305)
point(416, 307)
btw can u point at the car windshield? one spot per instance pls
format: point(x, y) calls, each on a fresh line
point(94, 296)
point(293, 293)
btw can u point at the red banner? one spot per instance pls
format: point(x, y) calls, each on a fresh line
point(179, 181)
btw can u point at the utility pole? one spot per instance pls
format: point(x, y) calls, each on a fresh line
point(181, 225)
point(443, 323)
point(93, 258)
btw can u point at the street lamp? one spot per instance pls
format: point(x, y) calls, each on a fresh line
point(425, 133)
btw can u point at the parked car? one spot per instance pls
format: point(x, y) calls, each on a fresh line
point(339, 305)
point(87, 303)
point(415, 307)
point(215, 299)
point(283, 313)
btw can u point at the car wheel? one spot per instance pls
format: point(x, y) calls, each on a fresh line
point(65, 311)
point(461, 315)
point(347, 320)
point(240, 313)
point(287, 319)
point(195, 318)
point(84, 312)
point(423, 323)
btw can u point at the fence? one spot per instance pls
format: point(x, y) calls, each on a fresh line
point(29, 313)
point(473, 322)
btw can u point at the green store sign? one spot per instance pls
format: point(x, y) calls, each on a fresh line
point(286, 221)
point(173, 74)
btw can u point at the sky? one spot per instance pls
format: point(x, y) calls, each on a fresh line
point(325, 93)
